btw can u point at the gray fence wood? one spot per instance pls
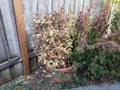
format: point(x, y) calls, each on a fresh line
point(3, 42)
point(57, 4)
point(29, 10)
point(10, 27)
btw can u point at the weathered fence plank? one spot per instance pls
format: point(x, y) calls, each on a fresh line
point(2, 54)
point(86, 5)
point(10, 27)
point(47, 4)
point(83, 4)
point(69, 5)
point(5, 76)
point(42, 8)
point(57, 4)
point(78, 7)
point(3, 46)
point(29, 9)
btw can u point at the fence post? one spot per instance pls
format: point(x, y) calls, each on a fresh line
point(17, 5)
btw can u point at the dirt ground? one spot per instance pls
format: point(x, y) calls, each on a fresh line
point(42, 80)
point(38, 80)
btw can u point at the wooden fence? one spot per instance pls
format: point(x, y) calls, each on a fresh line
point(10, 52)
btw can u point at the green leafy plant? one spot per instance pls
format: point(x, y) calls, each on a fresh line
point(115, 23)
point(89, 29)
point(99, 25)
point(100, 60)
point(115, 1)
point(7, 87)
point(14, 86)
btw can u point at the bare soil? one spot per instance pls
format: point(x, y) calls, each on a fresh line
point(38, 80)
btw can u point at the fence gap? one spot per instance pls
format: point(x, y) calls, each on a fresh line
point(64, 4)
point(90, 3)
point(74, 6)
point(83, 5)
point(51, 5)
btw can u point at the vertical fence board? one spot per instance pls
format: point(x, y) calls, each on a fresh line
point(87, 5)
point(33, 10)
point(10, 28)
point(69, 5)
point(74, 6)
point(47, 4)
point(42, 9)
point(29, 9)
point(4, 54)
point(98, 7)
point(78, 7)
point(27, 20)
point(91, 1)
point(57, 4)
point(5, 76)
point(83, 4)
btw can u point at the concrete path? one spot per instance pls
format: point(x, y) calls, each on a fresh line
point(105, 86)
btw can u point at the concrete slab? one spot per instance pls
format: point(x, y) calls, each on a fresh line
point(104, 86)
